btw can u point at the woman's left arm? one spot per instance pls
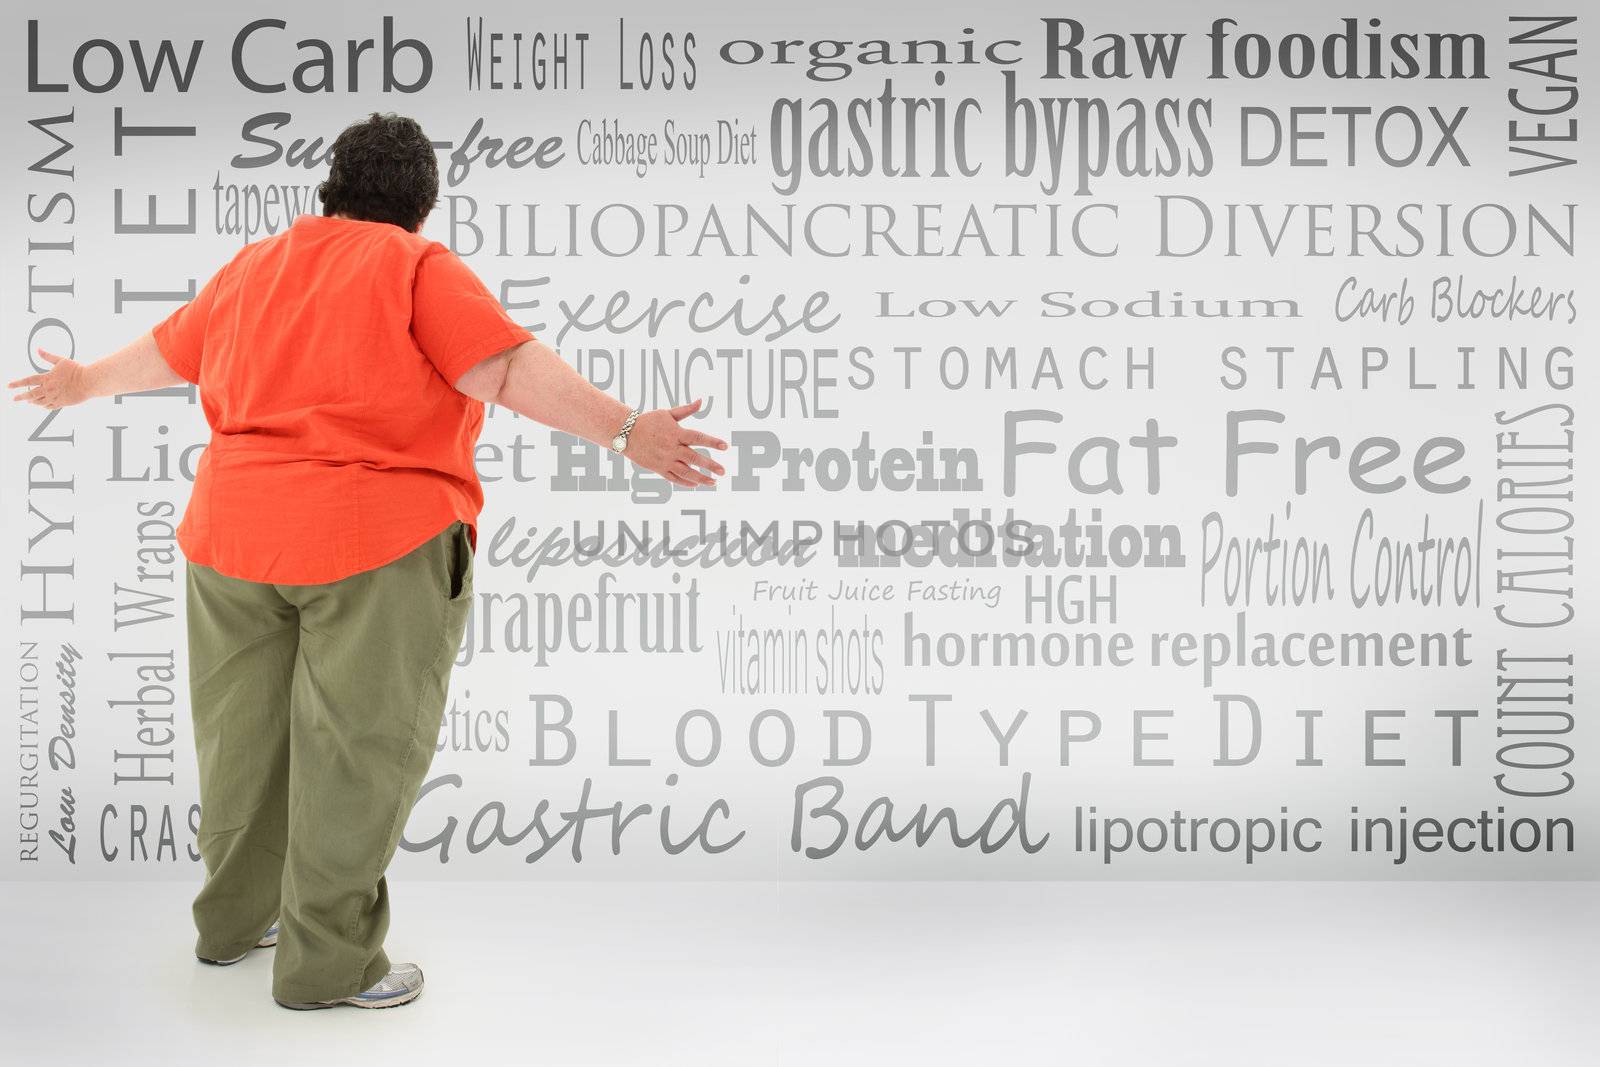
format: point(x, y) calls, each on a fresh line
point(134, 368)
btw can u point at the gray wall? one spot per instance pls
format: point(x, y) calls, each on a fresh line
point(926, 278)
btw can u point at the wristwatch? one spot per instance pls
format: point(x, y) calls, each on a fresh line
point(619, 442)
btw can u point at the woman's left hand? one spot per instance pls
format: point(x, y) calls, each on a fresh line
point(64, 384)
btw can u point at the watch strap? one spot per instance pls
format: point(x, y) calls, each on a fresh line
point(627, 427)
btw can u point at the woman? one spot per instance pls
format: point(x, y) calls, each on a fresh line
point(343, 367)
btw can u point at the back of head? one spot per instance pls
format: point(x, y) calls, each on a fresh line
point(383, 170)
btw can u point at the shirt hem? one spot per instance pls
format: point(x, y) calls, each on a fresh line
point(388, 558)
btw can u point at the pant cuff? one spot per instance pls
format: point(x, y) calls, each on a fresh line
point(212, 950)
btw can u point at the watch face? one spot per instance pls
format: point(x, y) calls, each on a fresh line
point(618, 442)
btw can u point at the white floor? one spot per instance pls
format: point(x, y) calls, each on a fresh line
point(921, 973)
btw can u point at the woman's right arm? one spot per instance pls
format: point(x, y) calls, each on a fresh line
point(534, 381)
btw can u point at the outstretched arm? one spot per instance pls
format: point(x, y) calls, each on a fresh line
point(133, 368)
point(534, 381)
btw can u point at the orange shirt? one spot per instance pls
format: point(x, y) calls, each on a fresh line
point(326, 357)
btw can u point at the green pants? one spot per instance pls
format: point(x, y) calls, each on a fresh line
point(316, 712)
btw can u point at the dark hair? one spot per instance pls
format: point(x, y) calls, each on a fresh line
point(383, 170)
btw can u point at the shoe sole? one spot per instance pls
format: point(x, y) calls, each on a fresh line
point(391, 1002)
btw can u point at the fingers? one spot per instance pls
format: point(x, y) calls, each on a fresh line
point(682, 469)
point(695, 437)
point(679, 472)
point(671, 474)
point(683, 410)
point(32, 379)
point(703, 461)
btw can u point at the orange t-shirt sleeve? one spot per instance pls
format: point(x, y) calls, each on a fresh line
point(455, 320)
point(181, 336)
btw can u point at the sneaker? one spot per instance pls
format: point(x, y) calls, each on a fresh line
point(402, 984)
point(268, 939)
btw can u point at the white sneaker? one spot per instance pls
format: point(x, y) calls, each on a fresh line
point(402, 984)
point(268, 939)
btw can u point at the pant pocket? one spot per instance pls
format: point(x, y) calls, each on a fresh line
point(460, 583)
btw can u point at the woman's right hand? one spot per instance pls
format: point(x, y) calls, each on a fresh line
point(659, 443)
